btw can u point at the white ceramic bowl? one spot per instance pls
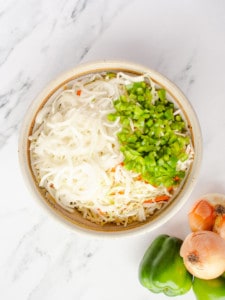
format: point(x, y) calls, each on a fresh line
point(79, 223)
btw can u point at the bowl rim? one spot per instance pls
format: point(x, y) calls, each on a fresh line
point(101, 66)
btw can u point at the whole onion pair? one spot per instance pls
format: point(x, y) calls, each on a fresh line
point(203, 250)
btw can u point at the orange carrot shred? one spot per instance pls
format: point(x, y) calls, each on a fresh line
point(139, 177)
point(121, 192)
point(158, 199)
point(78, 92)
point(100, 211)
point(162, 198)
point(176, 178)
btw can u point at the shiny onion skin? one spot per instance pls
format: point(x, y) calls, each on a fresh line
point(203, 254)
point(219, 224)
point(202, 216)
point(208, 213)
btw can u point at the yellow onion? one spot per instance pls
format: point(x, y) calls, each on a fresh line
point(203, 254)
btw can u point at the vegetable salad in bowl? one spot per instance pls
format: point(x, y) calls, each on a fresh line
point(113, 146)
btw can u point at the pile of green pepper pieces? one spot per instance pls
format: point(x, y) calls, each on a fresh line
point(153, 137)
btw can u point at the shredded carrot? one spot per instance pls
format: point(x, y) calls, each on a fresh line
point(170, 189)
point(113, 169)
point(157, 199)
point(100, 211)
point(149, 201)
point(121, 192)
point(162, 198)
point(139, 178)
point(176, 178)
point(78, 92)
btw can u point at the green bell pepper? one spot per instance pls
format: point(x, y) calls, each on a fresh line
point(162, 269)
point(213, 289)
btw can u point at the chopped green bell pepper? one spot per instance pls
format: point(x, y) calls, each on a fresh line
point(151, 128)
point(213, 289)
point(162, 269)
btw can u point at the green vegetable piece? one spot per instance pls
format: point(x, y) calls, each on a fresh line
point(129, 153)
point(131, 139)
point(112, 117)
point(169, 114)
point(162, 269)
point(140, 91)
point(129, 87)
point(183, 157)
point(140, 98)
point(162, 94)
point(137, 112)
point(149, 123)
point(133, 96)
point(111, 75)
point(213, 289)
point(178, 118)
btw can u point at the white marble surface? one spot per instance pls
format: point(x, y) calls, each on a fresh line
point(184, 40)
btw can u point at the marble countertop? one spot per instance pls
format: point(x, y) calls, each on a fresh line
point(184, 40)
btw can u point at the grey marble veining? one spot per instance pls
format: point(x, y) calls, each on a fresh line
point(57, 34)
